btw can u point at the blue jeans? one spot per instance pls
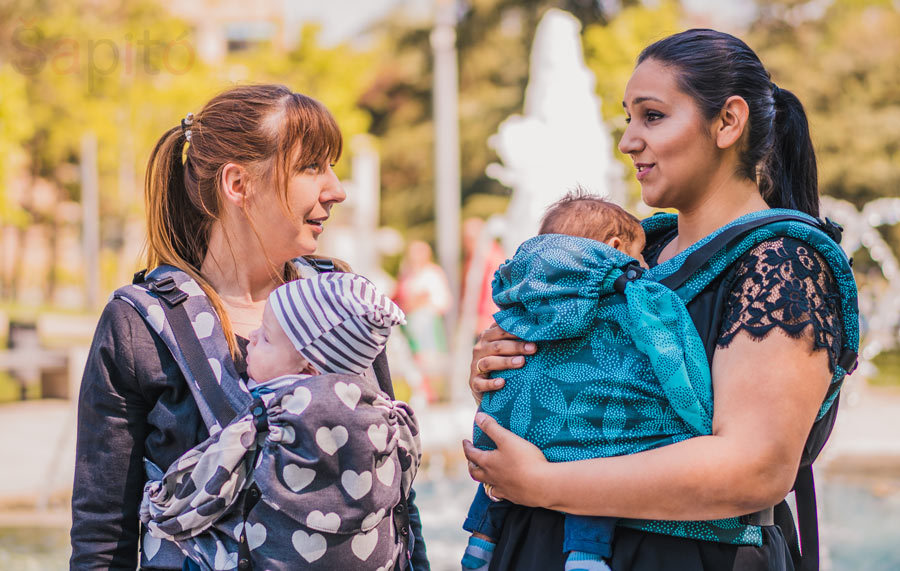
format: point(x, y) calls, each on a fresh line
point(590, 534)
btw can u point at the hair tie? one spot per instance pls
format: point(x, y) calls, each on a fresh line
point(186, 126)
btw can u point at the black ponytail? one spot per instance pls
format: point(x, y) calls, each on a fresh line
point(790, 174)
point(777, 151)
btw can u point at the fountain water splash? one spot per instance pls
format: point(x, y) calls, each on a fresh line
point(561, 141)
point(879, 299)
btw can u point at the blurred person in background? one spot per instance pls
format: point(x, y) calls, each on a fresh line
point(490, 260)
point(423, 293)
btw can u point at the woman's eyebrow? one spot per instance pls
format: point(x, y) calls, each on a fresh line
point(637, 100)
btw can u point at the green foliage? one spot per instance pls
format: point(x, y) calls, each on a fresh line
point(611, 50)
point(845, 68)
point(493, 44)
point(15, 128)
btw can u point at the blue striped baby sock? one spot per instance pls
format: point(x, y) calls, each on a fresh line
point(583, 561)
point(478, 554)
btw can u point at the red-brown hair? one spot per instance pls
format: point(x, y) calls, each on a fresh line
point(580, 213)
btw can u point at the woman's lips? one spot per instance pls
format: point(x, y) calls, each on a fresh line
point(316, 225)
point(643, 169)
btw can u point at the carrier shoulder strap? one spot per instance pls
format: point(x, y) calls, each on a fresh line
point(804, 486)
point(703, 254)
point(848, 359)
point(177, 309)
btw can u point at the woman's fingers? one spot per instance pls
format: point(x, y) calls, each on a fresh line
point(496, 350)
point(514, 469)
point(492, 429)
point(477, 458)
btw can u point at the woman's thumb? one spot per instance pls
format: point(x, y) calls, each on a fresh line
point(490, 427)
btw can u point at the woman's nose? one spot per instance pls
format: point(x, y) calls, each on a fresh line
point(333, 191)
point(629, 143)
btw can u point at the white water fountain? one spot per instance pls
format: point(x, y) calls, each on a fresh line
point(879, 298)
point(561, 141)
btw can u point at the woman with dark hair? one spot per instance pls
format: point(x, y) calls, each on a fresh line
point(235, 196)
point(714, 138)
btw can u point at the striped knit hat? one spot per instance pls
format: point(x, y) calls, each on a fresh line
point(338, 321)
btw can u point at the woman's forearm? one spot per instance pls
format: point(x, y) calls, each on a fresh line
point(707, 477)
point(761, 420)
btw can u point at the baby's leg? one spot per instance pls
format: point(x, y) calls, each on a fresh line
point(588, 542)
point(485, 520)
point(479, 552)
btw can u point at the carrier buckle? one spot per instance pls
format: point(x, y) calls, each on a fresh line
point(630, 273)
point(168, 290)
point(834, 230)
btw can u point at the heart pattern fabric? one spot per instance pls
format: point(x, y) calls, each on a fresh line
point(326, 469)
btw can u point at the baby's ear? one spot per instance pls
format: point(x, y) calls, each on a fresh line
point(308, 368)
point(615, 242)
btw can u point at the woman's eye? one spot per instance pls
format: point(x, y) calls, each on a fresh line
point(627, 120)
point(654, 116)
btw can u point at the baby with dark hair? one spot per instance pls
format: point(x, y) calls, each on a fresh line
point(620, 367)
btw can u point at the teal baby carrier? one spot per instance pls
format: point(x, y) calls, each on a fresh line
point(621, 367)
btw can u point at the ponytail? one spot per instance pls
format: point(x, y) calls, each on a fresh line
point(790, 171)
point(178, 232)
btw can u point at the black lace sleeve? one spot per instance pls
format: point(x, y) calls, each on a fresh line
point(786, 284)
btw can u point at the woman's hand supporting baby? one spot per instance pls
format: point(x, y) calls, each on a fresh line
point(496, 350)
point(520, 462)
point(517, 469)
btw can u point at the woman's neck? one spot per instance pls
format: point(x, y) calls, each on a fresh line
point(715, 209)
point(242, 275)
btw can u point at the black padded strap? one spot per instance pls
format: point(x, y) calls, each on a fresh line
point(704, 253)
point(807, 519)
point(183, 330)
point(761, 518)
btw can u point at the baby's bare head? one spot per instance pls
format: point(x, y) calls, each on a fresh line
point(580, 213)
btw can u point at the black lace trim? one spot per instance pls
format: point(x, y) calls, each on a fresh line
point(786, 284)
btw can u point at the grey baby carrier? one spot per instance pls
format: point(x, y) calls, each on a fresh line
point(271, 489)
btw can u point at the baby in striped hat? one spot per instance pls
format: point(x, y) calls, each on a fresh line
point(331, 323)
point(333, 456)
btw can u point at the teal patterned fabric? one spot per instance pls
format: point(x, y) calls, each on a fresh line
point(614, 374)
point(812, 235)
point(617, 374)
